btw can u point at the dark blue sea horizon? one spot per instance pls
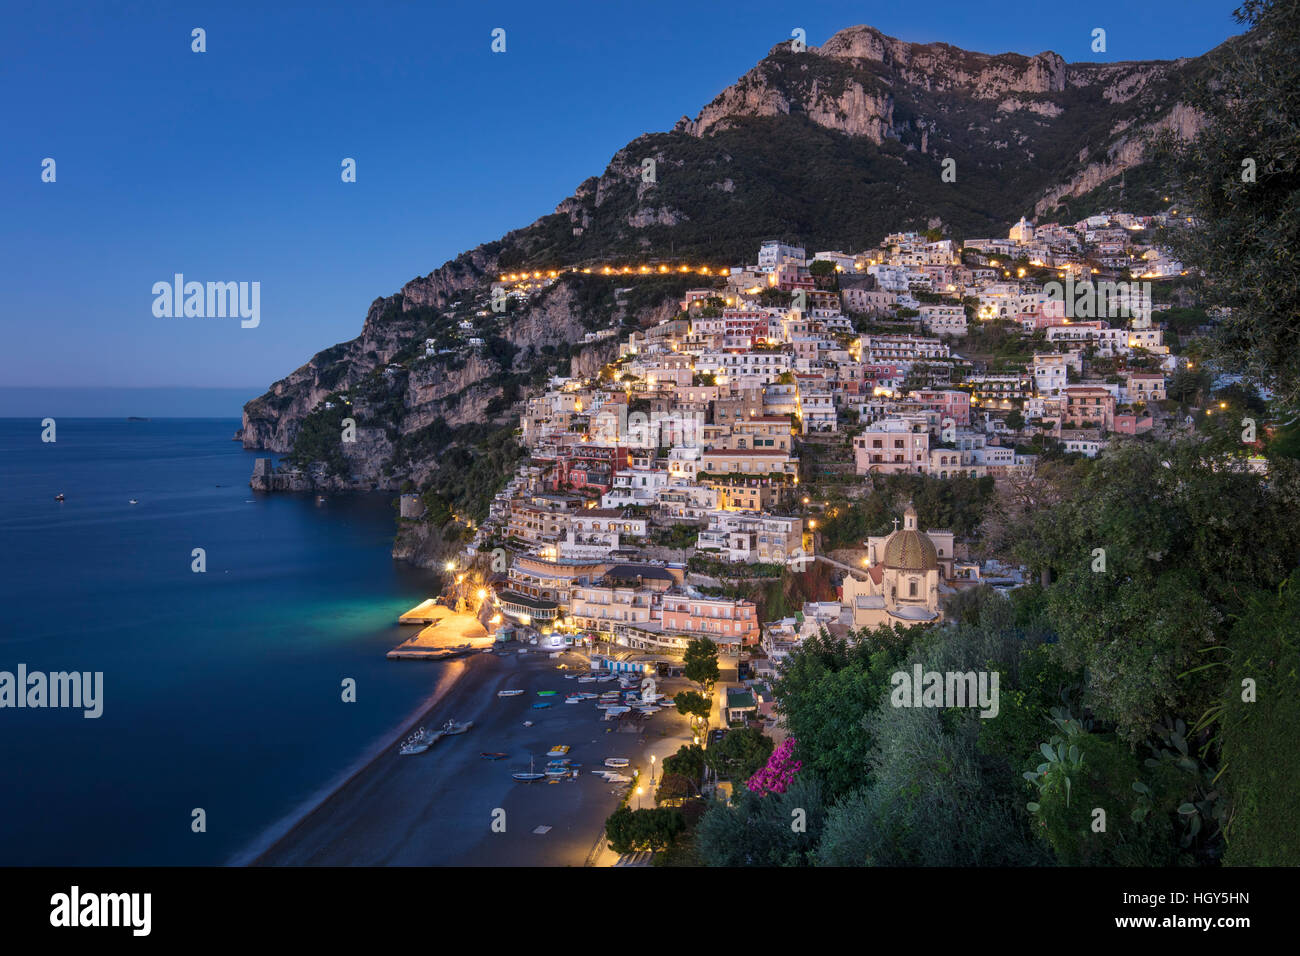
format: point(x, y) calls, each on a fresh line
point(222, 690)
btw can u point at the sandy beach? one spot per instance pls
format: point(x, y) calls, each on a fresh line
point(438, 808)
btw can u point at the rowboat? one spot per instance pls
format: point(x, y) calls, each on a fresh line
point(486, 755)
point(541, 704)
point(559, 750)
point(616, 761)
point(509, 693)
point(546, 693)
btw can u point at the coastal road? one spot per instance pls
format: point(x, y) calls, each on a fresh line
point(438, 808)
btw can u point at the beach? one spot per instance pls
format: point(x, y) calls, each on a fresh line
point(451, 807)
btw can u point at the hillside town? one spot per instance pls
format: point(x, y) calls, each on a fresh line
point(700, 458)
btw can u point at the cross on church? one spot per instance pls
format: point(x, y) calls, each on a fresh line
point(895, 524)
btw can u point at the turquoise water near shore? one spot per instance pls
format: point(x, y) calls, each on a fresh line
point(222, 690)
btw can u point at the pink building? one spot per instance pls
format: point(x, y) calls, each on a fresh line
point(1133, 424)
point(723, 620)
point(950, 403)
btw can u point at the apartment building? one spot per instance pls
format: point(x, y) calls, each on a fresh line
point(892, 446)
point(752, 537)
point(722, 620)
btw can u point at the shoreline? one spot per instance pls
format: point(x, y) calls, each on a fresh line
point(449, 807)
point(253, 853)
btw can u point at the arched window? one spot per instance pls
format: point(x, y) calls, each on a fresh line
point(911, 588)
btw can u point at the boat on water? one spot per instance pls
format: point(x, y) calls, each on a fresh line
point(541, 704)
point(546, 693)
point(509, 693)
point(59, 496)
point(528, 723)
point(132, 501)
point(559, 750)
point(616, 761)
point(587, 679)
point(451, 728)
point(531, 775)
point(573, 700)
point(492, 755)
point(616, 710)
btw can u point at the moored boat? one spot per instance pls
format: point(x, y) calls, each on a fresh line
point(509, 693)
point(616, 761)
point(531, 775)
point(419, 742)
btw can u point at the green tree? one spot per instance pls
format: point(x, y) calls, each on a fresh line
point(1261, 698)
point(687, 762)
point(629, 831)
point(825, 691)
point(740, 754)
point(701, 663)
point(778, 829)
point(1239, 179)
point(691, 704)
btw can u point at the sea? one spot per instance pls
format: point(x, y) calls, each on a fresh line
point(224, 694)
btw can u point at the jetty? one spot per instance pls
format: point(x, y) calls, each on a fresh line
point(450, 635)
point(426, 612)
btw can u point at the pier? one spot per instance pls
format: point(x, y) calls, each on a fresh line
point(426, 612)
point(449, 635)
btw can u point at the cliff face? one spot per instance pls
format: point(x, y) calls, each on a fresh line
point(862, 83)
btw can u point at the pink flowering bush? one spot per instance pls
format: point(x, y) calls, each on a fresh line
point(780, 769)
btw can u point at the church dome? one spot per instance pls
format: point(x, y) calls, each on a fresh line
point(908, 549)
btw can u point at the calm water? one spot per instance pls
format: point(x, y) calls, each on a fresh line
point(222, 690)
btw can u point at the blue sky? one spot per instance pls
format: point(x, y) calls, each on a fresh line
point(225, 165)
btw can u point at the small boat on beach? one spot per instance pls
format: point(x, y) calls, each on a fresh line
point(509, 693)
point(541, 704)
point(531, 775)
point(419, 742)
point(616, 710)
point(559, 750)
point(451, 728)
point(546, 693)
point(497, 755)
point(573, 700)
point(616, 761)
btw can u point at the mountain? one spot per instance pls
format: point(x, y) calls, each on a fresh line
point(832, 147)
